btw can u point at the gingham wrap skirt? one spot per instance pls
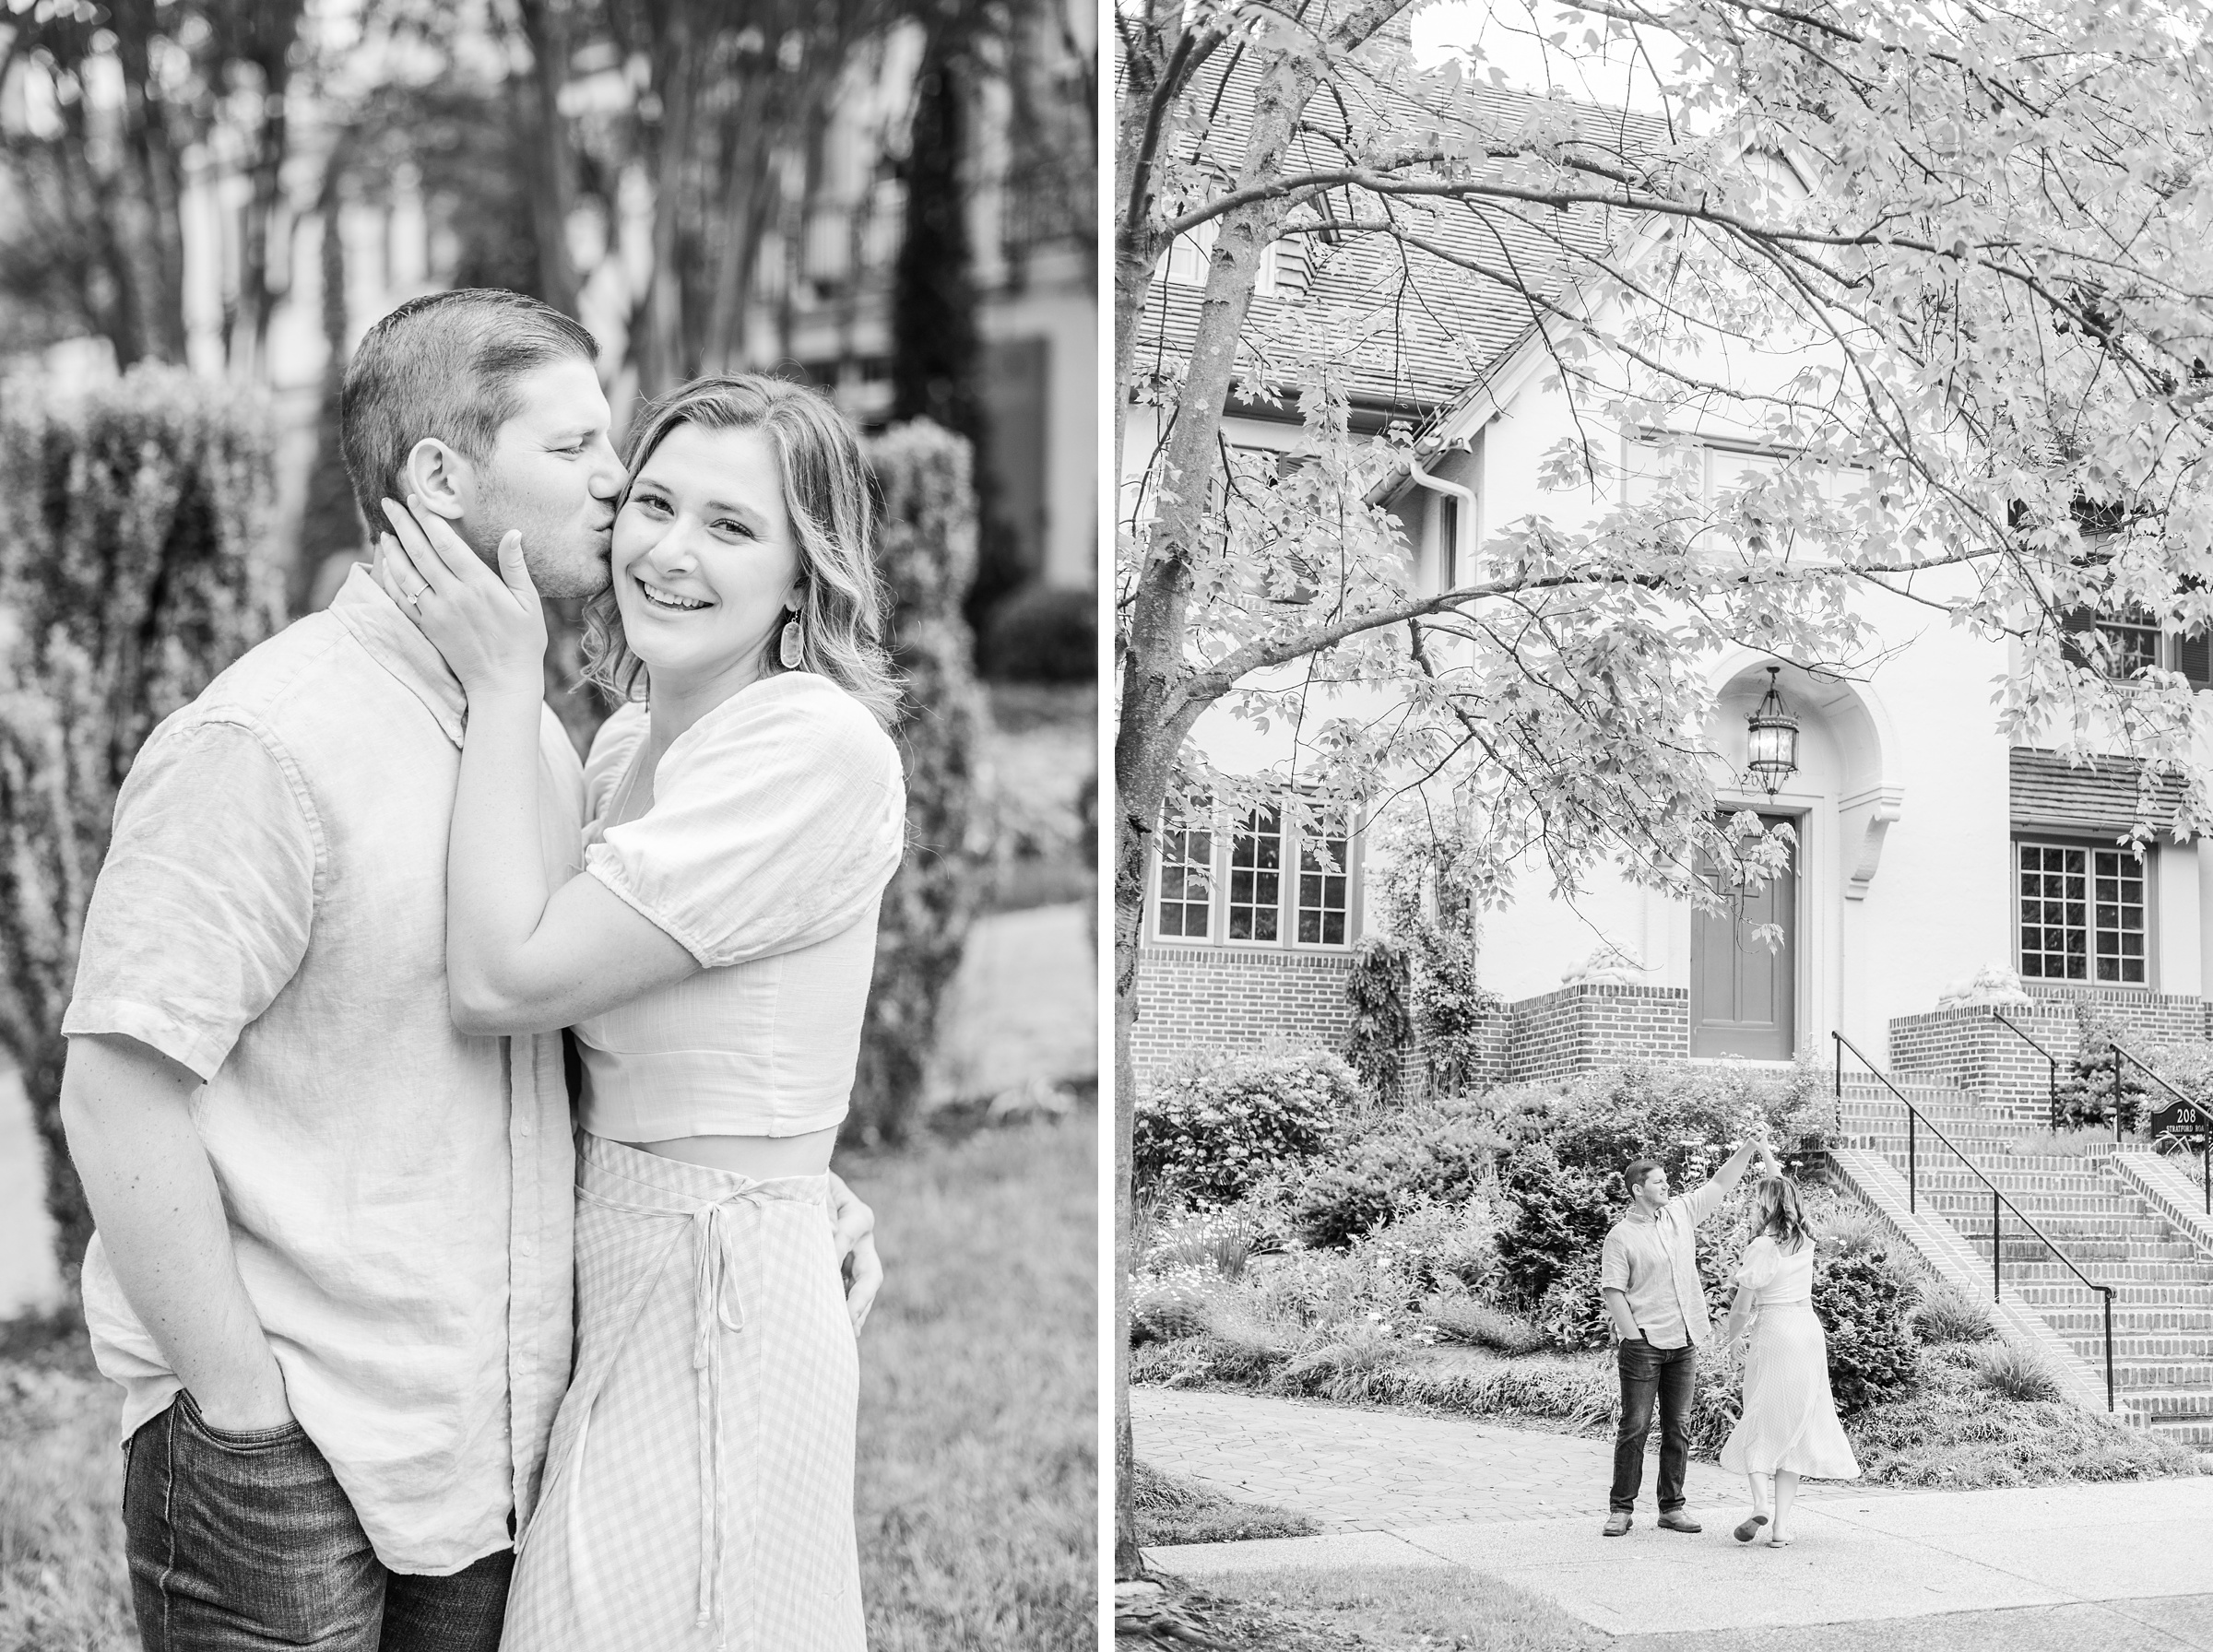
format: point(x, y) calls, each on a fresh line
point(698, 1487)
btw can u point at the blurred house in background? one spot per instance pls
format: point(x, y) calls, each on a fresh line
point(246, 185)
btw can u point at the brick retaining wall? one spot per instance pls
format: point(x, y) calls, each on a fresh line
point(1969, 1047)
point(1592, 1024)
point(1221, 999)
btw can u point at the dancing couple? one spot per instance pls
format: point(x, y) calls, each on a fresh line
point(1649, 1278)
point(317, 1085)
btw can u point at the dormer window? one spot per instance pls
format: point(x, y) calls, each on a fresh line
point(1190, 253)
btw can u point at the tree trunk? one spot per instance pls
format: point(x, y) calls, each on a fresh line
point(1157, 711)
point(271, 138)
point(146, 139)
point(661, 364)
point(552, 157)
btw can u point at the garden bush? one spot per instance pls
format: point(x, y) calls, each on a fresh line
point(1863, 1299)
point(1949, 1314)
point(2016, 1373)
point(1433, 1156)
point(927, 555)
point(1378, 989)
point(1559, 1215)
point(1209, 1129)
point(135, 565)
point(1459, 1316)
point(2085, 1094)
point(1571, 1310)
point(1043, 633)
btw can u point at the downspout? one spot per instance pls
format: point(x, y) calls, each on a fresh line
point(1452, 489)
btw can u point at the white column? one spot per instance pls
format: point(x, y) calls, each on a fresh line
point(2179, 928)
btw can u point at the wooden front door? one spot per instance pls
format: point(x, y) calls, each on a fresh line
point(1742, 993)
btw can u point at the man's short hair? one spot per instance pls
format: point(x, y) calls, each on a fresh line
point(1637, 1170)
point(442, 365)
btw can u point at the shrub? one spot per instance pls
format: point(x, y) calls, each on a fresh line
point(1209, 1131)
point(1343, 1361)
point(1165, 1311)
point(1382, 1027)
point(1459, 1317)
point(1448, 1246)
point(1947, 1313)
point(1571, 1312)
point(927, 555)
point(133, 567)
point(1043, 633)
point(2016, 1373)
point(1429, 1158)
point(1214, 1241)
point(2085, 1091)
point(1558, 1219)
point(1863, 1299)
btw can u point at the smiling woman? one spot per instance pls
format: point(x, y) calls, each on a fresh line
point(757, 480)
point(746, 810)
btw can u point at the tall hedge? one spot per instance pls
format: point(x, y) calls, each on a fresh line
point(133, 567)
point(928, 558)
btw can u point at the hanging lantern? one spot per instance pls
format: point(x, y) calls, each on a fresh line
point(1774, 739)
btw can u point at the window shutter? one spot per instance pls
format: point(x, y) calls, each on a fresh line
point(2075, 623)
point(2194, 657)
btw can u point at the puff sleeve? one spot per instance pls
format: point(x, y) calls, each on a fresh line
point(1762, 1259)
point(612, 747)
point(776, 821)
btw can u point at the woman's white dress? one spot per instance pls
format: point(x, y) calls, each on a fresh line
point(698, 1492)
point(1789, 1424)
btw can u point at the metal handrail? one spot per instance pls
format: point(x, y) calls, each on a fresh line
point(2050, 1061)
point(2120, 1050)
point(1997, 1197)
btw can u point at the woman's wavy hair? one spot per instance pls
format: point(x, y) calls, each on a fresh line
point(1776, 1209)
point(829, 498)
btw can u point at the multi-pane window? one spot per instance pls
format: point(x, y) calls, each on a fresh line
point(1186, 885)
point(1256, 877)
point(1260, 878)
point(2082, 914)
point(1324, 886)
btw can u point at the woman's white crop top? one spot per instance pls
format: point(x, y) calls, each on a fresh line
point(776, 820)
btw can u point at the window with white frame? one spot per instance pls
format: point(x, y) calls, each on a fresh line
point(2136, 642)
point(1325, 885)
point(2082, 914)
point(1260, 878)
point(1187, 879)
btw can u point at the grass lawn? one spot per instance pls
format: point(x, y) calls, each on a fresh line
point(978, 1476)
point(1394, 1609)
point(1173, 1510)
point(978, 1472)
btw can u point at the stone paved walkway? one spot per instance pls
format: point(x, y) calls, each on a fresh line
point(1372, 1470)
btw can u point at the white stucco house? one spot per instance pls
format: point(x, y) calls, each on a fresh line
point(1929, 848)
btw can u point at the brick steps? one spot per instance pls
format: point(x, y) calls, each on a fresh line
point(2162, 1313)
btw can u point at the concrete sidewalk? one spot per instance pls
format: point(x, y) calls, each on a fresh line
point(2046, 1566)
point(1903, 1555)
point(1356, 1469)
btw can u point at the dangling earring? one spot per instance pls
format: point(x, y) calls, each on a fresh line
point(789, 649)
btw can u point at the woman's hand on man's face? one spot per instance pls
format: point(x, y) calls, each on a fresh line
point(489, 626)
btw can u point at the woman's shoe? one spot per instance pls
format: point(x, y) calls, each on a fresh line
point(1750, 1528)
point(1779, 1542)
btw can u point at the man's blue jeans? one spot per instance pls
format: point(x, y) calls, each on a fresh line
point(1670, 1374)
point(241, 1541)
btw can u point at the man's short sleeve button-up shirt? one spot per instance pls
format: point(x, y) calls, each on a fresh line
point(271, 914)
